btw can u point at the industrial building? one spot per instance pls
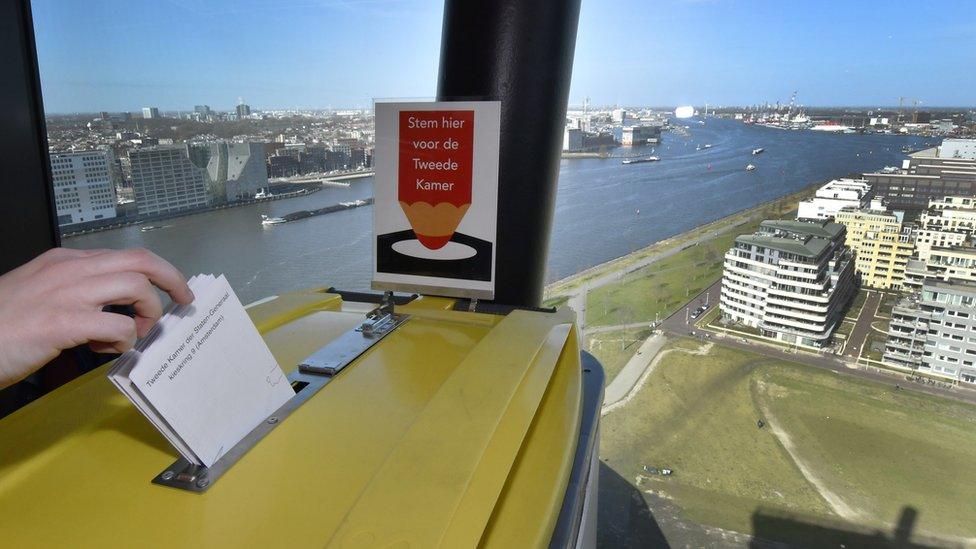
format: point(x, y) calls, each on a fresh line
point(640, 135)
point(790, 279)
point(927, 175)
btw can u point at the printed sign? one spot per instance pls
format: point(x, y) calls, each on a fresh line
point(436, 197)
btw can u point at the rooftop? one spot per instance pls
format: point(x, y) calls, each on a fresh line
point(823, 229)
point(811, 247)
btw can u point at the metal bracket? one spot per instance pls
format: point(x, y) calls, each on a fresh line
point(312, 374)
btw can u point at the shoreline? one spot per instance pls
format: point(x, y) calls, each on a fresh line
point(567, 284)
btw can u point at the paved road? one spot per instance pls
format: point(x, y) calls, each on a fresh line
point(676, 325)
point(862, 327)
point(634, 369)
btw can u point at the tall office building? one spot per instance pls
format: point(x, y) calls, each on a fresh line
point(791, 280)
point(166, 181)
point(203, 110)
point(934, 331)
point(243, 110)
point(84, 186)
point(882, 245)
point(150, 112)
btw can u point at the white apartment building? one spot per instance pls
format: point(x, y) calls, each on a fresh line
point(166, 181)
point(833, 197)
point(949, 221)
point(84, 186)
point(790, 279)
point(955, 263)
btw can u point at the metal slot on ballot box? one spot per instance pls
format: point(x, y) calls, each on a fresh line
point(312, 374)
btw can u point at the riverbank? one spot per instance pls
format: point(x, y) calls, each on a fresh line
point(119, 223)
point(562, 290)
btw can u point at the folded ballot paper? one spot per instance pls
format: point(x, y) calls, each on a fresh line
point(203, 375)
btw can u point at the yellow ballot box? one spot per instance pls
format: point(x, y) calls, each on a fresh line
point(452, 428)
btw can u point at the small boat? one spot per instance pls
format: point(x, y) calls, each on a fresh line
point(265, 220)
point(262, 194)
point(751, 167)
point(639, 160)
point(906, 149)
point(148, 228)
point(757, 151)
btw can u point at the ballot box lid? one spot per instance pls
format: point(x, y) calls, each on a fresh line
point(457, 429)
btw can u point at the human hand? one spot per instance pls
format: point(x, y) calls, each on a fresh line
point(54, 302)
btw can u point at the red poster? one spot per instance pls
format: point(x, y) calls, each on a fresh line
point(435, 163)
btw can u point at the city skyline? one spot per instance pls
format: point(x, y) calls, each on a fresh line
point(683, 52)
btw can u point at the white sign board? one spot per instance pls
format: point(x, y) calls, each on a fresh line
point(436, 197)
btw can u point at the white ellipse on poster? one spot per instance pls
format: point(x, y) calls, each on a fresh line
point(435, 210)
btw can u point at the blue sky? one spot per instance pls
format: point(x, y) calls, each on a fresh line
point(124, 54)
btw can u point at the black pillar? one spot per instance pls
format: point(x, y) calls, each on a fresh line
point(519, 52)
point(27, 219)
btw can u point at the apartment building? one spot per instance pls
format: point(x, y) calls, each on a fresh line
point(833, 197)
point(881, 243)
point(950, 221)
point(934, 331)
point(166, 181)
point(84, 186)
point(790, 279)
point(954, 263)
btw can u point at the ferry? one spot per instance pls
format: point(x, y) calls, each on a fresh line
point(266, 220)
point(640, 160)
point(758, 151)
point(751, 167)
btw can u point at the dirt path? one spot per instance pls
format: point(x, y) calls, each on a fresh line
point(836, 504)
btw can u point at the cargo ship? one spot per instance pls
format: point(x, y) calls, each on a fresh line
point(640, 160)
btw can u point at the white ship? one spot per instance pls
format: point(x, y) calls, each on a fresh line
point(262, 194)
point(758, 151)
point(751, 167)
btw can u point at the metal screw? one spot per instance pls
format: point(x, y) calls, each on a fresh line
point(272, 420)
point(203, 483)
point(168, 475)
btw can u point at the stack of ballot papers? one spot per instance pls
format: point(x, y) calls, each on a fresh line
point(203, 375)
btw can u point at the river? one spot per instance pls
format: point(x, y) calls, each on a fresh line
point(596, 218)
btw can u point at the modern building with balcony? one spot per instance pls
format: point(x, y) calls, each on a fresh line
point(881, 243)
point(934, 331)
point(949, 221)
point(945, 264)
point(790, 280)
point(833, 197)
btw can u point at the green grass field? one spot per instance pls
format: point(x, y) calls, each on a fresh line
point(877, 449)
point(614, 349)
point(660, 288)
